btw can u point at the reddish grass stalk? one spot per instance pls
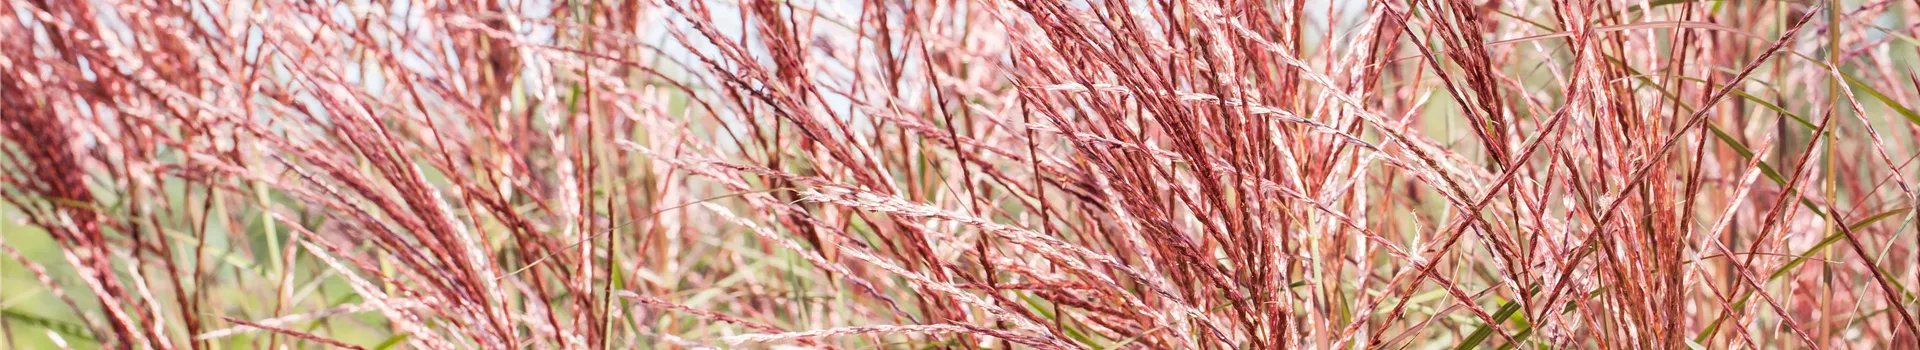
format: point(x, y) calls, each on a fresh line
point(1192, 174)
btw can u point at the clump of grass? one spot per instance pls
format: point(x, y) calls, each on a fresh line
point(990, 174)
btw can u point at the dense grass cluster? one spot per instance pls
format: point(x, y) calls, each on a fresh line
point(972, 174)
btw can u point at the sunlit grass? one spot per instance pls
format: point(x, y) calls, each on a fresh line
point(1422, 174)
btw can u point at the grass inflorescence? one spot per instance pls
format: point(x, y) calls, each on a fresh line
point(994, 174)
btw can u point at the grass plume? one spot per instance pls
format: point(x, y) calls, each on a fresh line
point(1190, 174)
